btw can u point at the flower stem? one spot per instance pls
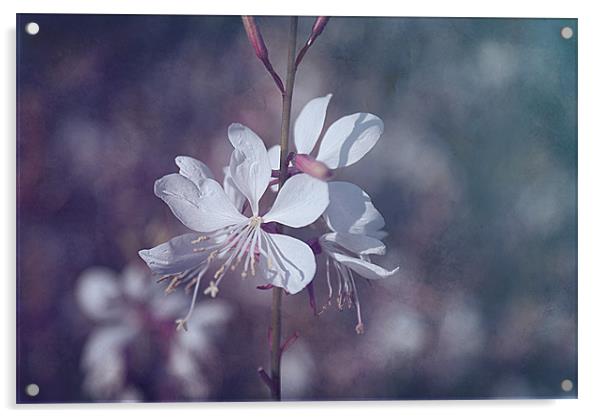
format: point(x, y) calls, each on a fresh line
point(287, 98)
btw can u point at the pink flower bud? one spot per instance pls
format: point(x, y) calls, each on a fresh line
point(255, 37)
point(308, 164)
point(260, 49)
point(317, 29)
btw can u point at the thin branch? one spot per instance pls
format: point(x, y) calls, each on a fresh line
point(287, 98)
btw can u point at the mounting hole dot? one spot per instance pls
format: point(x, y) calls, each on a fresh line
point(32, 28)
point(566, 32)
point(32, 389)
point(566, 385)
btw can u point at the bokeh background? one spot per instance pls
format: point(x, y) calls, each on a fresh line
point(475, 176)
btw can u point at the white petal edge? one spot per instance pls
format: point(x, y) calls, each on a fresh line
point(249, 164)
point(309, 124)
point(136, 282)
point(203, 209)
point(232, 191)
point(103, 360)
point(348, 139)
point(207, 322)
point(351, 210)
point(364, 268)
point(98, 294)
point(274, 157)
point(193, 169)
point(293, 264)
point(300, 202)
point(356, 243)
point(175, 255)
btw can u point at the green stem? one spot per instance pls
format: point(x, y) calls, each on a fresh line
point(287, 98)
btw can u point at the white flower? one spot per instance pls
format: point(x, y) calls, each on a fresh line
point(356, 226)
point(345, 142)
point(124, 307)
point(225, 233)
point(351, 210)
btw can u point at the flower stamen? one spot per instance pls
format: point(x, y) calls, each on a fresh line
point(212, 289)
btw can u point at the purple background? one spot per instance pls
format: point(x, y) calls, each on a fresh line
point(475, 176)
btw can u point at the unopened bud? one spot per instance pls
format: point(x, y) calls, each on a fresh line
point(317, 29)
point(260, 49)
point(308, 164)
point(255, 37)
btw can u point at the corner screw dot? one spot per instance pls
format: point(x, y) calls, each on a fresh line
point(32, 390)
point(32, 28)
point(566, 385)
point(566, 32)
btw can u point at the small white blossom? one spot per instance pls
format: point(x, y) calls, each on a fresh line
point(124, 307)
point(225, 235)
point(356, 227)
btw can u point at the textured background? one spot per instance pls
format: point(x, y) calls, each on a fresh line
point(475, 175)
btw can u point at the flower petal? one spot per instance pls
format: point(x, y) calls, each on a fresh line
point(351, 210)
point(232, 191)
point(103, 360)
point(249, 164)
point(193, 169)
point(309, 124)
point(274, 157)
point(204, 209)
point(207, 321)
point(300, 202)
point(98, 294)
point(176, 255)
point(136, 282)
point(349, 139)
point(356, 243)
point(292, 263)
point(364, 268)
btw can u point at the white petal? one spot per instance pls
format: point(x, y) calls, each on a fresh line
point(98, 294)
point(292, 264)
point(105, 342)
point(103, 361)
point(364, 268)
point(232, 191)
point(249, 164)
point(309, 124)
point(175, 255)
point(274, 157)
point(169, 307)
point(349, 139)
point(136, 283)
point(351, 210)
point(301, 201)
point(204, 209)
point(184, 366)
point(356, 243)
point(193, 169)
point(207, 321)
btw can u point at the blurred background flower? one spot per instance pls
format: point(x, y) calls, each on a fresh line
point(475, 175)
point(133, 335)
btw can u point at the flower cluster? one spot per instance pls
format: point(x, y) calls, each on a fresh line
point(126, 311)
point(231, 234)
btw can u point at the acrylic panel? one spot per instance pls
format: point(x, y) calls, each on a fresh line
point(217, 208)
